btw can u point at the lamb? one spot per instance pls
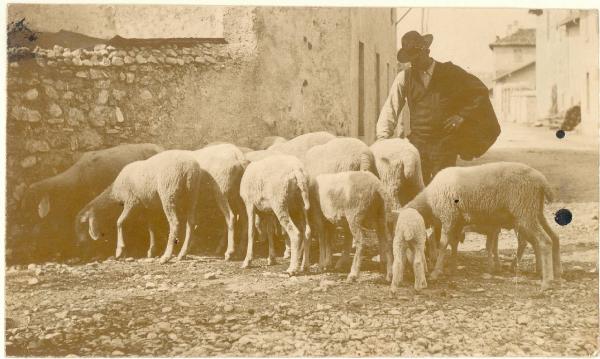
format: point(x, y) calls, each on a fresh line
point(270, 141)
point(338, 155)
point(226, 163)
point(409, 245)
point(56, 200)
point(299, 145)
point(356, 200)
point(278, 184)
point(505, 194)
point(399, 167)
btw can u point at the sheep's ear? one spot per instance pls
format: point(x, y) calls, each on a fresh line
point(91, 231)
point(44, 206)
point(84, 217)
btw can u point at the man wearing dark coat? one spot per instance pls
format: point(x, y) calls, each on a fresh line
point(450, 110)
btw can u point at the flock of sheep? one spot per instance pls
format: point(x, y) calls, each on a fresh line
point(304, 188)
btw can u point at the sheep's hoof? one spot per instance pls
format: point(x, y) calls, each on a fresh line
point(291, 272)
point(388, 277)
point(351, 278)
point(546, 286)
point(119, 252)
point(245, 264)
point(394, 291)
point(286, 255)
point(163, 260)
point(227, 257)
point(420, 286)
point(271, 261)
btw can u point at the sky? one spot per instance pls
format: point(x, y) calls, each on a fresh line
point(463, 35)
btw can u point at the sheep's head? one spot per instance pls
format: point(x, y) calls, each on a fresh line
point(86, 226)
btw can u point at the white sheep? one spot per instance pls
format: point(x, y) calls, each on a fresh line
point(409, 245)
point(355, 200)
point(260, 154)
point(399, 168)
point(278, 184)
point(506, 194)
point(172, 181)
point(299, 145)
point(226, 163)
point(54, 202)
point(337, 155)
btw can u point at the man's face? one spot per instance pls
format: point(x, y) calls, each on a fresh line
point(421, 60)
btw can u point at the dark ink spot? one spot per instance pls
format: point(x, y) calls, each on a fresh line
point(305, 83)
point(455, 201)
point(305, 39)
point(560, 134)
point(309, 46)
point(563, 216)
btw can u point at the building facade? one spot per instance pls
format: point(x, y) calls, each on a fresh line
point(567, 65)
point(513, 88)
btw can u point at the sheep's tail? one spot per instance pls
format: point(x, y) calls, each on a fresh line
point(548, 192)
point(302, 183)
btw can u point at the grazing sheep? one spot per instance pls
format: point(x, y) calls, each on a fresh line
point(356, 200)
point(505, 194)
point(278, 184)
point(226, 163)
point(399, 168)
point(217, 143)
point(299, 145)
point(270, 141)
point(52, 203)
point(338, 155)
point(171, 180)
point(409, 245)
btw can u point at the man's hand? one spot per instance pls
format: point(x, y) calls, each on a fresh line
point(452, 123)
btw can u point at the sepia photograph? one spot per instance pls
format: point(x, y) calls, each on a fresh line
point(242, 180)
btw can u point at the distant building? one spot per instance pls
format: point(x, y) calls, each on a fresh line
point(567, 65)
point(513, 88)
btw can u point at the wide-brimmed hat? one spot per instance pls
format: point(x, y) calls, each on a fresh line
point(412, 43)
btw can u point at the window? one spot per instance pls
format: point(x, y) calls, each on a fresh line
point(361, 89)
point(377, 87)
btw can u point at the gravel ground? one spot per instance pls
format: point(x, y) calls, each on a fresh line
point(204, 306)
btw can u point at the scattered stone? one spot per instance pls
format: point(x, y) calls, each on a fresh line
point(210, 276)
point(523, 319)
point(118, 353)
point(145, 95)
point(119, 115)
point(68, 95)
point(55, 121)
point(171, 61)
point(199, 59)
point(89, 139)
point(31, 95)
point(228, 308)
point(152, 59)
point(33, 281)
point(164, 326)
point(217, 319)
point(140, 59)
point(172, 336)
point(75, 117)
point(128, 60)
point(150, 285)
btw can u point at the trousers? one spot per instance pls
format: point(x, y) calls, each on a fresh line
point(435, 156)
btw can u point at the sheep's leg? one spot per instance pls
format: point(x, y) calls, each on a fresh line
point(229, 220)
point(357, 235)
point(329, 234)
point(556, 263)
point(453, 256)
point(385, 248)
point(544, 244)
point(295, 244)
point(188, 234)
point(439, 264)
point(152, 239)
point(120, 241)
point(522, 244)
point(176, 227)
point(249, 251)
point(346, 249)
point(494, 263)
point(288, 248)
point(270, 237)
point(419, 266)
point(399, 264)
point(319, 232)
